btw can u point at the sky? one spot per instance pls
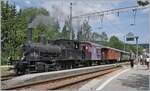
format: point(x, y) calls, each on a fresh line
point(112, 24)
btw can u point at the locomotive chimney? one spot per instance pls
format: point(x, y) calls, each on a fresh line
point(29, 30)
point(29, 34)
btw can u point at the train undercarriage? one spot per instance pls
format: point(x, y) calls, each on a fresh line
point(47, 66)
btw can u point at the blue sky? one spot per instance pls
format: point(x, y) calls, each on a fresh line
point(112, 25)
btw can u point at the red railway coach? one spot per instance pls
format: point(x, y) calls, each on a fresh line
point(112, 55)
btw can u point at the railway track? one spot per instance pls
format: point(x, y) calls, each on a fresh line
point(62, 82)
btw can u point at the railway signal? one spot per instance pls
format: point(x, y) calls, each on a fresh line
point(130, 37)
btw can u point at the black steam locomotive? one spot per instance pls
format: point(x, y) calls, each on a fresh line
point(43, 57)
point(63, 54)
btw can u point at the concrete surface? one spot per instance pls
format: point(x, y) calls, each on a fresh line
point(136, 79)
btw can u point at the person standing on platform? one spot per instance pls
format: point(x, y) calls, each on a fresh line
point(147, 62)
point(141, 60)
point(132, 57)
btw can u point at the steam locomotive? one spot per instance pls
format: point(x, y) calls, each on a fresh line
point(64, 54)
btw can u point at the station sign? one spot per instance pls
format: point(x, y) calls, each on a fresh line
point(130, 37)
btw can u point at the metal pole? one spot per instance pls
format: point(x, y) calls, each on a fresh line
point(136, 45)
point(137, 51)
point(70, 19)
point(124, 43)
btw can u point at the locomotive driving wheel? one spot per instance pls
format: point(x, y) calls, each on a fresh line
point(41, 67)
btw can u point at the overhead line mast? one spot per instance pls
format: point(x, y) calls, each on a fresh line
point(70, 21)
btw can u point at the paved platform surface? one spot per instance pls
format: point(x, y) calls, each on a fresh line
point(136, 79)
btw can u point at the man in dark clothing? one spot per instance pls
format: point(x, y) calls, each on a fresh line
point(132, 63)
point(132, 57)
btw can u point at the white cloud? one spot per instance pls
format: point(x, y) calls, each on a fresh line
point(17, 7)
point(113, 18)
point(146, 10)
point(27, 1)
point(60, 9)
point(119, 34)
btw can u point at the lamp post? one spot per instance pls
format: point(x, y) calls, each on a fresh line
point(136, 38)
point(124, 43)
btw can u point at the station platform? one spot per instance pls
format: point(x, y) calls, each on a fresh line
point(128, 79)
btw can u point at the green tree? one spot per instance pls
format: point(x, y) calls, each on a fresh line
point(115, 43)
point(14, 27)
point(79, 34)
point(104, 36)
point(134, 48)
point(47, 25)
point(85, 33)
point(56, 30)
point(96, 37)
point(41, 28)
point(8, 33)
point(65, 34)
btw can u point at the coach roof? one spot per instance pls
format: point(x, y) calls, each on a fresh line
point(107, 47)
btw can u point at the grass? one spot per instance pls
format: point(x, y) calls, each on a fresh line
point(5, 70)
